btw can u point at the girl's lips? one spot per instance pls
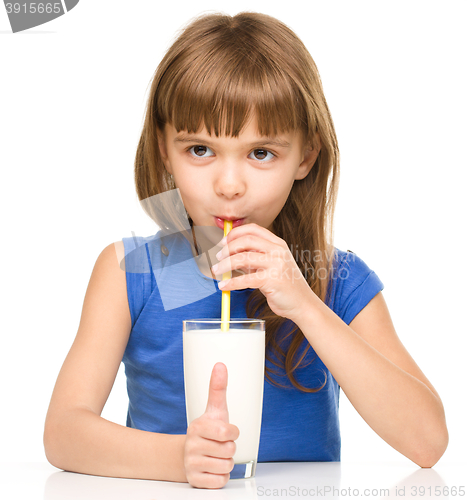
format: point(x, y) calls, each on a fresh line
point(220, 222)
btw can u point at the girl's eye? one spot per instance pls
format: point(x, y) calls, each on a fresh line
point(201, 151)
point(262, 155)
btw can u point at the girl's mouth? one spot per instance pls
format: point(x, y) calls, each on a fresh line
point(220, 222)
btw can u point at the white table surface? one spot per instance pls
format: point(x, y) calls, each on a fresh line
point(321, 480)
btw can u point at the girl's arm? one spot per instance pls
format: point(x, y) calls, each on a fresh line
point(76, 437)
point(380, 378)
point(366, 358)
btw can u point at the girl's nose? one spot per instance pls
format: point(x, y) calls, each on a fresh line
point(229, 181)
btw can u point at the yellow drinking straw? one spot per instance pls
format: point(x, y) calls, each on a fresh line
point(225, 311)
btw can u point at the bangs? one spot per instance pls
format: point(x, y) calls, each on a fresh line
point(223, 91)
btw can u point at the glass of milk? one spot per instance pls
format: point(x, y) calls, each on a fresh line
point(241, 348)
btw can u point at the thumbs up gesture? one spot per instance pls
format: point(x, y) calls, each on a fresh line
point(209, 445)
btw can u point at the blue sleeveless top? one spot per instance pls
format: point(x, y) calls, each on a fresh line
point(164, 287)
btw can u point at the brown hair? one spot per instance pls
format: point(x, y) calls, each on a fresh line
point(219, 71)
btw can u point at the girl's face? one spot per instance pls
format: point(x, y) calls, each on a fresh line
point(244, 179)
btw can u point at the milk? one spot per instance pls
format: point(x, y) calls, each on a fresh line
point(242, 351)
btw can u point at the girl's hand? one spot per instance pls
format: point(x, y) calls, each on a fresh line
point(268, 265)
point(209, 445)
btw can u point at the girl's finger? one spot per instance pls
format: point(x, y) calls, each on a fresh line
point(215, 465)
point(213, 429)
point(252, 280)
point(254, 230)
point(248, 262)
point(211, 448)
point(207, 480)
point(250, 243)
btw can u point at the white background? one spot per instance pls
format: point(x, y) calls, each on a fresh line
point(72, 98)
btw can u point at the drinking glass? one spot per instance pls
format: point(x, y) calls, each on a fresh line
point(241, 347)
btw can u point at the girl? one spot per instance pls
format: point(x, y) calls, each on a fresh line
point(238, 125)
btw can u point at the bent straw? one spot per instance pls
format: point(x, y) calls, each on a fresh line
point(225, 310)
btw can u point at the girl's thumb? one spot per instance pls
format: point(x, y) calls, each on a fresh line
point(217, 398)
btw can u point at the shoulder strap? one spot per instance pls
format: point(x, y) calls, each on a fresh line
point(140, 279)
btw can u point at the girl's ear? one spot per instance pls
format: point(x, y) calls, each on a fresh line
point(309, 159)
point(163, 150)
